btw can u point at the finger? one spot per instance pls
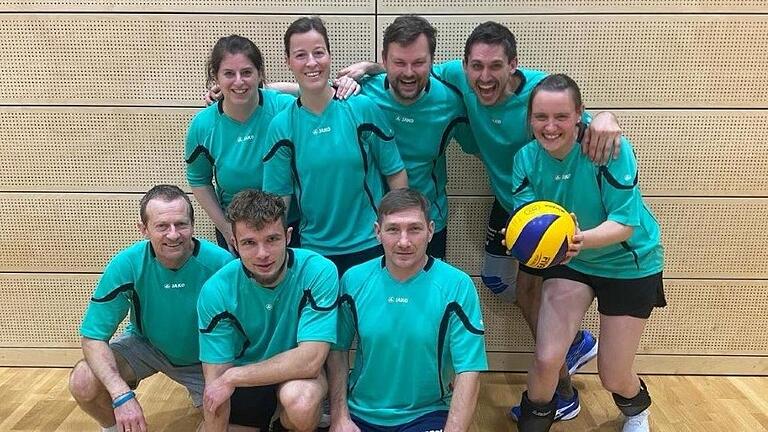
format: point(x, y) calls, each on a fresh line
point(343, 72)
point(585, 141)
point(503, 242)
point(607, 150)
point(616, 146)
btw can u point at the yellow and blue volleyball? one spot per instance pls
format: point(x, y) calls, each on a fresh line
point(538, 234)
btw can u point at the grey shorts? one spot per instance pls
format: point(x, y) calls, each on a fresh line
point(146, 360)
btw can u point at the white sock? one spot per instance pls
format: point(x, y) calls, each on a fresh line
point(112, 428)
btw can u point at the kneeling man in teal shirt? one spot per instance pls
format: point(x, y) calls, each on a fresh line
point(419, 329)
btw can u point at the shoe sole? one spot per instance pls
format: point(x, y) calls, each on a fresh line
point(584, 359)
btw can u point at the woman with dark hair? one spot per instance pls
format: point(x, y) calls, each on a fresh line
point(616, 256)
point(331, 154)
point(226, 141)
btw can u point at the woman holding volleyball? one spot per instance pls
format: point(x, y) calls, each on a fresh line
point(616, 256)
point(226, 141)
point(331, 154)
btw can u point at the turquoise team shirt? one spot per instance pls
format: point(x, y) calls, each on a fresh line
point(222, 148)
point(242, 322)
point(161, 301)
point(423, 130)
point(595, 194)
point(333, 163)
point(413, 337)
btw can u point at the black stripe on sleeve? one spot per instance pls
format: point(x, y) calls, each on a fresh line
point(451, 309)
point(200, 150)
point(227, 315)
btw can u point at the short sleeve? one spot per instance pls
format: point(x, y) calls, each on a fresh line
point(620, 194)
point(197, 154)
point(319, 316)
point(220, 341)
point(381, 139)
point(465, 137)
point(522, 190)
point(467, 330)
point(346, 326)
point(112, 299)
point(451, 72)
point(278, 178)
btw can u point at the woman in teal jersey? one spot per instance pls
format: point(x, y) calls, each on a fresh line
point(225, 142)
point(331, 154)
point(616, 256)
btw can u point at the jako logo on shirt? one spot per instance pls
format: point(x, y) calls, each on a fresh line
point(496, 121)
point(174, 285)
point(321, 130)
point(403, 119)
point(397, 300)
point(562, 177)
point(245, 138)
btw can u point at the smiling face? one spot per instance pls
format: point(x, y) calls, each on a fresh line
point(238, 79)
point(169, 230)
point(554, 121)
point(405, 235)
point(408, 68)
point(310, 60)
point(490, 72)
point(263, 251)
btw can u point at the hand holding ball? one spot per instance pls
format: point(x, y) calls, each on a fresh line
point(538, 234)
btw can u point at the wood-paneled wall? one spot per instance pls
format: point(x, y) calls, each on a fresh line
point(98, 94)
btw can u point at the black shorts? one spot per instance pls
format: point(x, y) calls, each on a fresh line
point(345, 261)
point(253, 406)
point(618, 297)
point(438, 245)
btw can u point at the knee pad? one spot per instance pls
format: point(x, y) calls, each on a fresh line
point(500, 276)
point(635, 405)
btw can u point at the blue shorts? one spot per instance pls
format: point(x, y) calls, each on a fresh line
point(429, 422)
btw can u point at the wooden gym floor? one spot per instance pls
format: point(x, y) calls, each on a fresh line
point(37, 400)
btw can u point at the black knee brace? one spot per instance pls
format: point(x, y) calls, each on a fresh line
point(637, 404)
point(536, 418)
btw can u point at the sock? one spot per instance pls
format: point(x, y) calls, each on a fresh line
point(565, 387)
point(112, 428)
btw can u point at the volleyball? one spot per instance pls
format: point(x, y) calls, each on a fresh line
point(538, 234)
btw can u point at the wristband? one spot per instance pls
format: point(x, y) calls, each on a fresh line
point(123, 398)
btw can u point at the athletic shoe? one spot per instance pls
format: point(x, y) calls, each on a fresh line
point(566, 408)
point(637, 423)
point(581, 353)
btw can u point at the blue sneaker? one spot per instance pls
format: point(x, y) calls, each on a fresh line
point(581, 353)
point(566, 408)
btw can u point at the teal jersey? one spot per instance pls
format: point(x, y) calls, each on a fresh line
point(413, 337)
point(223, 149)
point(333, 163)
point(423, 130)
point(595, 194)
point(499, 130)
point(161, 301)
point(242, 322)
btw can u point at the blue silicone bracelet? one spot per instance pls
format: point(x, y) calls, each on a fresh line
point(123, 398)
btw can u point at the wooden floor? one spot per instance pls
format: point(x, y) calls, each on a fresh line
point(37, 400)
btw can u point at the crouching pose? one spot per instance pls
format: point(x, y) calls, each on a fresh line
point(419, 329)
point(266, 324)
point(616, 256)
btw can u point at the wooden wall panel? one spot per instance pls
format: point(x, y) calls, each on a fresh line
point(132, 59)
point(629, 61)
